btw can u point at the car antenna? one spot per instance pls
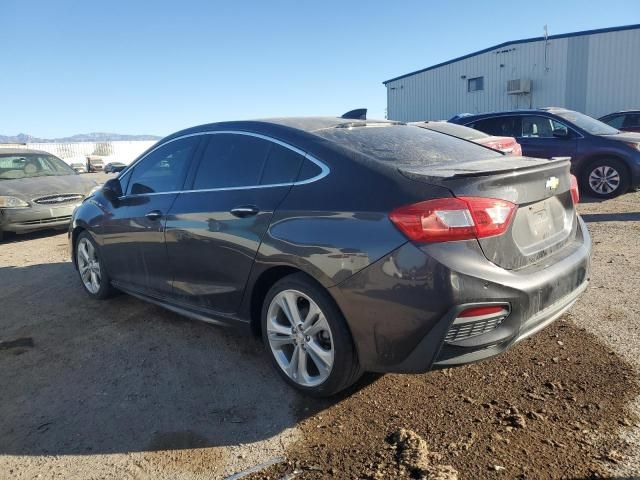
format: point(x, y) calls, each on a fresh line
point(357, 114)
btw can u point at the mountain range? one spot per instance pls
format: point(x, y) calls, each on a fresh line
point(81, 137)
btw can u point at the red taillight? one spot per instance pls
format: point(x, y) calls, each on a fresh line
point(447, 219)
point(517, 150)
point(575, 193)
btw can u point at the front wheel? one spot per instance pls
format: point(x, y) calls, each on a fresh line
point(606, 178)
point(307, 337)
point(93, 275)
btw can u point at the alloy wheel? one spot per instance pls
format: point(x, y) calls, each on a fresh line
point(604, 179)
point(300, 338)
point(88, 265)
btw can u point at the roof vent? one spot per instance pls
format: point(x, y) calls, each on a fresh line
point(357, 114)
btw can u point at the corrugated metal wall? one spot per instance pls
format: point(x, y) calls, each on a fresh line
point(596, 73)
point(123, 151)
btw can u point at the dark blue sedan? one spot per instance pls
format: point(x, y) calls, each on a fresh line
point(605, 160)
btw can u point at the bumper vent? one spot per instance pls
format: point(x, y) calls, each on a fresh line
point(476, 321)
point(60, 198)
point(45, 221)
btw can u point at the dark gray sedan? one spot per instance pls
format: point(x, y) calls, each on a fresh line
point(37, 191)
point(348, 245)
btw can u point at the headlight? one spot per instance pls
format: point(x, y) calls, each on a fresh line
point(634, 145)
point(12, 202)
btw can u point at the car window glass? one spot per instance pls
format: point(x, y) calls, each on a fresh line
point(29, 165)
point(232, 160)
point(542, 127)
point(163, 169)
point(282, 166)
point(499, 126)
point(631, 120)
point(615, 121)
point(309, 170)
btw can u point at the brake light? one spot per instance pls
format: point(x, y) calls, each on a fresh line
point(517, 150)
point(482, 311)
point(447, 219)
point(575, 192)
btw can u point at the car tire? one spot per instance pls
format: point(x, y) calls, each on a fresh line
point(317, 356)
point(93, 275)
point(605, 178)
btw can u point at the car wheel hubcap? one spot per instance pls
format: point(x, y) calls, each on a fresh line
point(300, 338)
point(604, 179)
point(89, 266)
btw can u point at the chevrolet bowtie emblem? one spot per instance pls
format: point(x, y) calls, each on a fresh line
point(552, 183)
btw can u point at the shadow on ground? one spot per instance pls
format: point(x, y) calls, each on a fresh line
point(611, 217)
point(79, 376)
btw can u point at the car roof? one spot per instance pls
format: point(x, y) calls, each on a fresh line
point(521, 111)
point(17, 151)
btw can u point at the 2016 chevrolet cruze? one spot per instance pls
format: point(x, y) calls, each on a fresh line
point(349, 245)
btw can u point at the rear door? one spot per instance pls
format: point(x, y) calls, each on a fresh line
point(544, 137)
point(214, 228)
point(134, 244)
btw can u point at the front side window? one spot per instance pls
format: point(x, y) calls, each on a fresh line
point(542, 127)
point(29, 165)
point(498, 126)
point(587, 123)
point(475, 84)
point(163, 169)
point(632, 120)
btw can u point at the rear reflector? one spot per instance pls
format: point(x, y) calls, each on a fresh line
point(575, 193)
point(480, 311)
point(447, 219)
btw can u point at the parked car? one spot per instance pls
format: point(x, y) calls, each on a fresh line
point(627, 121)
point(348, 248)
point(37, 191)
point(506, 145)
point(114, 167)
point(605, 160)
point(79, 167)
point(95, 163)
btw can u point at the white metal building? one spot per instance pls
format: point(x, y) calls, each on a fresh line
point(594, 71)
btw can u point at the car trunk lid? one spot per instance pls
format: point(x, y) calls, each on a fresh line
point(545, 221)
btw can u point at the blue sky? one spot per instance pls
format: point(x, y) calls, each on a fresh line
point(132, 66)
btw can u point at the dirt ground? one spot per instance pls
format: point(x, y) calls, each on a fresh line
point(122, 389)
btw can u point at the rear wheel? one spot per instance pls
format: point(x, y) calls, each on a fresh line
point(93, 275)
point(606, 178)
point(307, 337)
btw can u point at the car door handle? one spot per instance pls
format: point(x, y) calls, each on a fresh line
point(245, 211)
point(154, 215)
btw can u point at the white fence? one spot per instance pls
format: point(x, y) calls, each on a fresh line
point(122, 151)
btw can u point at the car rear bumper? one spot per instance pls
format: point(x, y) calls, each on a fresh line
point(401, 308)
point(35, 218)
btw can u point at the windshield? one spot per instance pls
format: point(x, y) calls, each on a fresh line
point(408, 145)
point(29, 165)
point(587, 123)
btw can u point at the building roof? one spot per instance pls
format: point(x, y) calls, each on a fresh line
point(515, 42)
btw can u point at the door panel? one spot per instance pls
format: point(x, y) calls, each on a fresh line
point(537, 138)
point(211, 250)
point(134, 246)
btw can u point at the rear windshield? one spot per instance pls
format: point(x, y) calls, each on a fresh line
point(408, 145)
point(455, 130)
point(30, 165)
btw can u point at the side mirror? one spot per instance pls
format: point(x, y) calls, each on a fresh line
point(561, 133)
point(112, 190)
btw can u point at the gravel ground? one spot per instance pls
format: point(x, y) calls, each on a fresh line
point(123, 389)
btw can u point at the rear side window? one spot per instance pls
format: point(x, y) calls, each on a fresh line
point(232, 161)
point(407, 145)
point(541, 127)
point(163, 169)
point(498, 126)
point(282, 166)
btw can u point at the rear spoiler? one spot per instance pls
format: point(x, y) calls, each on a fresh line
point(481, 168)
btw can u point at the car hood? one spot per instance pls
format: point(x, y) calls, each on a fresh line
point(30, 188)
point(624, 137)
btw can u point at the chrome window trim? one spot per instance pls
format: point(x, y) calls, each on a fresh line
point(324, 169)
